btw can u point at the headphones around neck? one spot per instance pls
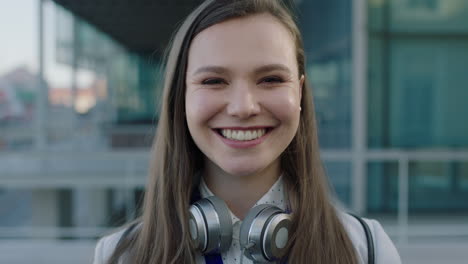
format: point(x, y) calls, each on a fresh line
point(264, 233)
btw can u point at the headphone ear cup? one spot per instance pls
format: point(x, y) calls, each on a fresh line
point(210, 225)
point(276, 236)
point(265, 232)
point(225, 224)
point(247, 223)
point(198, 227)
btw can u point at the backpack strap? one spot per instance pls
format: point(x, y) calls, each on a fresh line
point(370, 240)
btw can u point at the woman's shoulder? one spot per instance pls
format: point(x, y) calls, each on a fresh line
point(384, 249)
point(107, 244)
point(105, 247)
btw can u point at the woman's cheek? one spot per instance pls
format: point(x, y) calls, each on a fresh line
point(284, 105)
point(202, 106)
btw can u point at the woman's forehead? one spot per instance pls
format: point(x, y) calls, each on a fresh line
point(244, 43)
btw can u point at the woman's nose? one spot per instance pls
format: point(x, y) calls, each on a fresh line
point(242, 102)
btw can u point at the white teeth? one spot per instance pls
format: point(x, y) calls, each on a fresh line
point(240, 135)
point(248, 135)
point(243, 135)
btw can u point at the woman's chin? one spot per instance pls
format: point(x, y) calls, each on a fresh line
point(242, 166)
point(243, 170)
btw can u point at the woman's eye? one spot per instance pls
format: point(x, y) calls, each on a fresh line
point(213, 81)
point(272, 79)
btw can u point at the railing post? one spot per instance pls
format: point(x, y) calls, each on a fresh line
point(129, 197)
point(403, 199)
point(359, 105)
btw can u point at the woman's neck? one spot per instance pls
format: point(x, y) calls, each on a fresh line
point(240, 192)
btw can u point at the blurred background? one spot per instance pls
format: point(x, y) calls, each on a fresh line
point(80, 86)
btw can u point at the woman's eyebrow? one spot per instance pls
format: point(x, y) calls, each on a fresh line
point(272, 67)
point(214, 69)
point(261, 69)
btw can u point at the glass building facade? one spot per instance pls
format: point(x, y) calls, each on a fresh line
point(78, 111)
point(417, 100)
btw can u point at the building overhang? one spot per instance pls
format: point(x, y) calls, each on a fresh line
point(142, 26)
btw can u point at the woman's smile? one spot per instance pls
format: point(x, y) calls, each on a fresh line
point(243, 137)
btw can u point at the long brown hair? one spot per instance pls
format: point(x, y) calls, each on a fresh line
point(163, 236)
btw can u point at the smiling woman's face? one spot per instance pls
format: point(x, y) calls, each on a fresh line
point(243, 93)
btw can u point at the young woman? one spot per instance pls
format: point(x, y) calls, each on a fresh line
point(237, 122)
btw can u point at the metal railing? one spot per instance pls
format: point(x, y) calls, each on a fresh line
point(130, 174)
point(403, 159)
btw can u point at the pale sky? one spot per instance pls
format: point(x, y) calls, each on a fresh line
point(18, 27)
point(19, 42)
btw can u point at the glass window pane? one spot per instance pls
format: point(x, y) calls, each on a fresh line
point(418, 16)
point(100, 95)
point(377, 15)
point(433, 186)
point(417, 93)
point(438, 186)
point(339, 175)
point(326, 28)
point(382, 187)
point(463, 171)
point(428, 93)
point(429, 16)
point(377, 97)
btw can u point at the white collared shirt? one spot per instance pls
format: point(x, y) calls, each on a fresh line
point(274, 196)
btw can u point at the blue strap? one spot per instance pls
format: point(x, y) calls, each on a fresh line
point(216, 259)
point(213, 259)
